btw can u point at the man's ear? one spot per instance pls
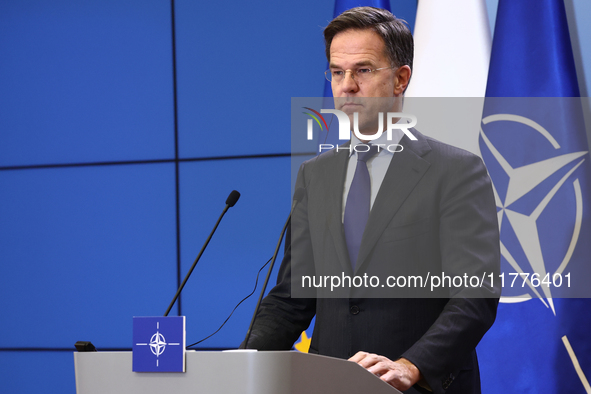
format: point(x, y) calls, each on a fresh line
point(402, 78)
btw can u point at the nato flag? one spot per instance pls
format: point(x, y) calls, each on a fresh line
point(534, 144)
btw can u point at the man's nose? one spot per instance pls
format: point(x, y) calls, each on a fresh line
point(348, 84)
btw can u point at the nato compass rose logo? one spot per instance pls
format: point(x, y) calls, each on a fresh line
point(534, 193)
point(157, 343)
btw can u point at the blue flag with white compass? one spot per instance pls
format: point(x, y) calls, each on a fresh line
point(533, 142)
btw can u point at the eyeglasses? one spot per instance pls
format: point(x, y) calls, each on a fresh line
point(359, 74)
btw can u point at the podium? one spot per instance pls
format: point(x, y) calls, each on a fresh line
point(227, 372)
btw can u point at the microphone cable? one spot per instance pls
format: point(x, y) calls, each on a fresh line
point(237, 305)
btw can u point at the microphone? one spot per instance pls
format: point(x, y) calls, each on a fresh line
point(297, 197)
point(230, 202)
point(232, 199)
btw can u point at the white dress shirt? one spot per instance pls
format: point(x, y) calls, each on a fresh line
point(377, 165)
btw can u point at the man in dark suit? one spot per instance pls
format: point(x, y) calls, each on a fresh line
point(432, 211)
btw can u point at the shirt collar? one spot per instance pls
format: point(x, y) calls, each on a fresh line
point(397, 135)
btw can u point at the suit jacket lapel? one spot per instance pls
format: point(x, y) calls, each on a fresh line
point(405, 171)
point(334, 175)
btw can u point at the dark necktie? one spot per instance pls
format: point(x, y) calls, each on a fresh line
point(358, 202)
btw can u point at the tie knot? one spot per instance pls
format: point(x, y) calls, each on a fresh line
point(365, 156)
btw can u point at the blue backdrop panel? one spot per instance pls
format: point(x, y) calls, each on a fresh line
point(85, 81)
point(37, 372)
point(238, 67)
point(83, 250)
point(244, 241)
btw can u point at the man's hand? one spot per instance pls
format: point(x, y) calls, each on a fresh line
point(401, 374)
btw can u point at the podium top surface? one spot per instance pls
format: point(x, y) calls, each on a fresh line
point(227, 372)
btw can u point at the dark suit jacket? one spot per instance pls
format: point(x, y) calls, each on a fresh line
point(435, 212)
